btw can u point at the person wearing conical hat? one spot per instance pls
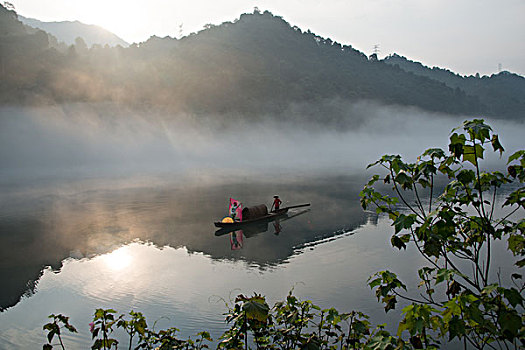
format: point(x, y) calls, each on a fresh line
point(276, 203)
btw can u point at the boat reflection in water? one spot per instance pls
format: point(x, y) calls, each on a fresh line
point(255, 228)
point(236, 239)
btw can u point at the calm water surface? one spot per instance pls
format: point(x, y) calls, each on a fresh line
point(72, 243)
point(149, 244)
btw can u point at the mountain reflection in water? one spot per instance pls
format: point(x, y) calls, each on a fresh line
point(43, 226)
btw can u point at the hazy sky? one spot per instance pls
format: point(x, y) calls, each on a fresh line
point(465, 36)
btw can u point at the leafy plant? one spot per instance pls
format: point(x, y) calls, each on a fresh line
point(462, 296)
point(247, 314)
point(135, 326)
point(55, 328)
point(296, 324)
point(102, 327)
point(104, 322)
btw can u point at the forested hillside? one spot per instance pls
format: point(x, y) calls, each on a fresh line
point(257, 66)
point(68, 31)
point(504, 93)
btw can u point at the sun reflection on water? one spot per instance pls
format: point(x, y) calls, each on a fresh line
point(119, 259)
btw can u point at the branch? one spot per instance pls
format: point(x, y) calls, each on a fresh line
point(463, 276)
point(415, 300)
point(402, 198)
point(418, 202)
point(493, 203)
point(431, 190)
point(460, 254)
point(506, 216)
point(420, 251)
point(471, 200)
point(430, 300)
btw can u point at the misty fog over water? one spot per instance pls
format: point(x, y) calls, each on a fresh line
point(104, 140)
point(108, 207)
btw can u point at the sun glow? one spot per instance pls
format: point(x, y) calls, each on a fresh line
point(117, 17)
point(118, 259)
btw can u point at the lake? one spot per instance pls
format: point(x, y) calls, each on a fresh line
point(120, 243)
point(83, 225)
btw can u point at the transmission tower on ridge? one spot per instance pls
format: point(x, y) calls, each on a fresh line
point(181, 30)
point(375, 51)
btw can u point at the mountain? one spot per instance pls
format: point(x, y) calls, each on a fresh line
point(504, 91)
point(68, 31)
point(254, 68)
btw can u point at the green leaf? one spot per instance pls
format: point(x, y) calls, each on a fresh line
point(516, 155)
point(451, 309)
point(397, 165)
point(424, 183)
point(510, 323)
point(477, 129)
point(453, 289)
point(381, 341)
point(512, 170)
point(432, 247)
point(444, 275)
point(496, 145)
point(404, 222)
point(473, 153)
point(473, 313)
point(416, 342)
point(360, 327)
point(516, 276)
point(403, 179)
point(444, 169)
point(71, 328)
point(456, 328)
point(434, 153)
point(489, 289)
point(373, 180)
point(256, 308)
point(50, 335)
point(456, 145)
point(97, 344)
point(311, 344)
point(390, 302)
point(398, 242)
point(516, 197)
point(372, 164)
point(205, 335)
point(516, 244)
point(375, 283)
point(466, 176)
point(49, 326)
point(513, 296)
point(424, 272)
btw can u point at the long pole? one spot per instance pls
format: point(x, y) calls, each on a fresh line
point(297, 206)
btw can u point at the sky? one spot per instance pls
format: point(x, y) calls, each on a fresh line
point(464, 36)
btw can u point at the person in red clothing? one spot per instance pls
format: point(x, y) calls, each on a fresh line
point(276, 203)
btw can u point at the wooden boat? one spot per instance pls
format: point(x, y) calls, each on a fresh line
point(258, 214)
point(258, 226)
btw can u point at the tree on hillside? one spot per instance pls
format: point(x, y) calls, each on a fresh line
point(9, 6)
